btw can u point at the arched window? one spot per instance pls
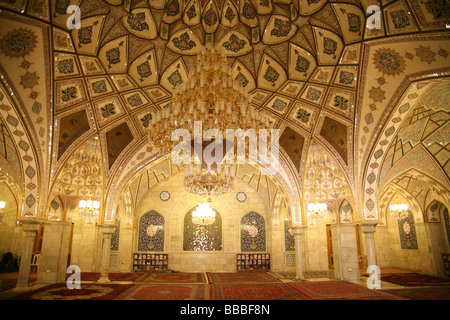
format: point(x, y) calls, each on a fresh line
point(151, 232)
point(253, 232)
point(202, 237)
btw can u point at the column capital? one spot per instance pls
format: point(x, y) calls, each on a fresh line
point(298, 230)
point(368, 227)
point(107, 228)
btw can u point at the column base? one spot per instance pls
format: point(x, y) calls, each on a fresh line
point(103, 280)
point(21, 288)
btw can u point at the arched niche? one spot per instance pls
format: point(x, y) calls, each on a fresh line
point(253, 232)
point(151, 230)
point(202, 237)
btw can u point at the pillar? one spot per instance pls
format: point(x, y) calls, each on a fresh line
point(30, 229)
point(368, 229)
point(299, 239)
point(107, 231)
point(345, 252)
point(55, 252)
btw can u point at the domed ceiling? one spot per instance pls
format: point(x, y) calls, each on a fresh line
point(313, 65)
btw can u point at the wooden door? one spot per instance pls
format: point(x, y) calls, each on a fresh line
point(330, 247)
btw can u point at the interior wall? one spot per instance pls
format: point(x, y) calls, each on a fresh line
point(11, 234)
point(426, 258)
point(174, 210)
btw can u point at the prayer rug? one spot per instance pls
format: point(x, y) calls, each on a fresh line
point(241, 277)
point(415, 280)
point(435, 293)
point(260, 291)
point(176, 277)
point(166, 292)
point(86, 292)
point(338, 290)
point(113, 276)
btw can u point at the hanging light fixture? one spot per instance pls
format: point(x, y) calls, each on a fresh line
point(210, 96)
point(2, 206)
point(399, 210)
point(89, 208)
point(203, 215)
point(206, 181)
point(317, 211)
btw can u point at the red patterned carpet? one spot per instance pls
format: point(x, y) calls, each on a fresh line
point(87, 292)
point(338, 290)
point(263, 291)
point(242, 277)
point(436, 293)
point(114, 276)
point(166, 292)
point(177, 277)
point(415, 279)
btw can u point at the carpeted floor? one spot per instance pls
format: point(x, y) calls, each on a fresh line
point(253, 291)
point(166, 292)
point(435, 293)
point(240, 277)
point(415, 279)
point(338, 290)
point(177, 277)
point(87, 292)
point(232, 286)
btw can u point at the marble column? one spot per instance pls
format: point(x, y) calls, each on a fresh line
point(299, 239)
point(107, 231)
point(345, 252)
point(55, 252)
point(369, 230)
point(30, 229)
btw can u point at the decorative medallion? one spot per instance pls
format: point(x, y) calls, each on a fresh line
point(29, 80)
point(302, 64)
point(184, 42)
point(175, 78)
point(85, 35)
point(164, 195)
point(241, 196)
point(18, 43)
point(329, 46)
point(144, 70)
point(248, 11)
point(135, 100)
point(346, 77)
point(99, 86)
point(303, 115)
point(69, 93)
point(113, 56)
point(400, 18)
point(354, 22)
point(66, 66)
point(271, 75)
point(281, 28)
point(389, 62)
point(137, 21)
point(108, 110)
point(234, 43)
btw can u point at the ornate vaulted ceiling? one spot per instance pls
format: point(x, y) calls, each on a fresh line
point(312, 65)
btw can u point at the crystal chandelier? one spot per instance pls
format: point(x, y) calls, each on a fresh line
point(206, 181)
point(210, 96)
point(399, 211)
point(203, 215)
point(317, 210)
point(89, 208)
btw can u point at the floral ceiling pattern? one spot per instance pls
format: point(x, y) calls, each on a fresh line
point(316, 67)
